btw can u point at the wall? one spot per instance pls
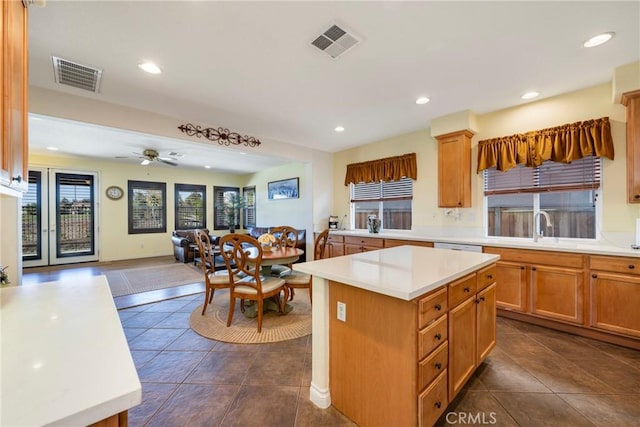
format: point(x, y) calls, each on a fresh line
point(618, 216)
point(9, 256)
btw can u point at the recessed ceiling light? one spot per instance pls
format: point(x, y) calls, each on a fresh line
point(599, 39)
point(422, 100)
point(339, 129)
point(150, 68)
point(207, 167)
point(530, 95)
point(52, 148)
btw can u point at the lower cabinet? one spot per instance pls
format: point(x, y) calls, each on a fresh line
point(398, 362)
point(557, 293)
point(334, 246)
point(354, 244)
point(511, 293)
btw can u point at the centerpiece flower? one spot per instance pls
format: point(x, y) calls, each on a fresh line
point(266, 240)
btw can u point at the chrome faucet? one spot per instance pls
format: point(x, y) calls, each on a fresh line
point(537, 226)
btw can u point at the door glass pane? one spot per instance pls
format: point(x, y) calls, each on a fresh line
point(396, 215)
point(510, 215)
point(363, 210)
point(573, 213)
point(74, 215)
point(32, 218)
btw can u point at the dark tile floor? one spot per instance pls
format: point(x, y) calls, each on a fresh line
point(534, 377)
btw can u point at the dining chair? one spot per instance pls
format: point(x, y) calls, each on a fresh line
point(298, 280)
point(242, 255)
point(286, 237)
point(212, 279)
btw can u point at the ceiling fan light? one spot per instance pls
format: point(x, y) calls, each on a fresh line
point(599, 39)
point(150, 68)
point(145, 162)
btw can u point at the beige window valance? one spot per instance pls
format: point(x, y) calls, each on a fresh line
point(560, 144)
point(387, 169)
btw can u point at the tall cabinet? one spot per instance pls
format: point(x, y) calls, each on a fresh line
point(631, 100)
point(454, 169)
point(13, 92)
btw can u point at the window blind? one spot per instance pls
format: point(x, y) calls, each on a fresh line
point(580, 174)
point(384, 190)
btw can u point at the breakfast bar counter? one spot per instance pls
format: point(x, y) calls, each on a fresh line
point(64, 356)
point(398, 331)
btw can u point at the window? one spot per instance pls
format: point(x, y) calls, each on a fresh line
point(190, 206)
point(147, 207)
point(249, 213)
point(221, 197)
point(389, 200)
point(567, 192)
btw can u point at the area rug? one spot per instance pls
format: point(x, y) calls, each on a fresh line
point(135, 280)
point(275, 326)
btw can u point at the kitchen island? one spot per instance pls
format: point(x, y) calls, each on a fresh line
point(397, 332)
point(64, 356)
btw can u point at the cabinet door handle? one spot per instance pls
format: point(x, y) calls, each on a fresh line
point(438, 365)
point(438, 307)
point(467, 290)
point(595, 276)
point(637, 196)
point(522, 267)
point(438, 405)
point(18, 179)
point(480, 299)
point(438, 337)
point(490, 276)
point(631, 266)
point(533, 268)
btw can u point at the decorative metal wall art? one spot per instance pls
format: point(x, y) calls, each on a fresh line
point(220, 135)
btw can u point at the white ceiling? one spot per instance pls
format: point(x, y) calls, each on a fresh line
point(249, 66)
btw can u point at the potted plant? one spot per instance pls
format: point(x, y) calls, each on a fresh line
point(232, 211)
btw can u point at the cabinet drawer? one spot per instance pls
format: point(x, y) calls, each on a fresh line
point(431, 307)
point(433, 401)
point(616, 264)
point(433, 365)
point(390, 243)
point(561, 259)
point(462, 289)
point(432, 336)
point(486, 276)
point(335, 239)
point(364, 241)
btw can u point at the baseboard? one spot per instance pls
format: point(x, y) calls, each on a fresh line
point(320, 396)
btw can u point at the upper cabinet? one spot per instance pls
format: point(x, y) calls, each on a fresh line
point(632, 101)
point(454, 170)
point(13, 92)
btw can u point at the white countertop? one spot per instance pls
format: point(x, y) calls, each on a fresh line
point(593, 247)
point(64, 358)
point(404, 272)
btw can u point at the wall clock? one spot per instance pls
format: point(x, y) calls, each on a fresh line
point(114, 192)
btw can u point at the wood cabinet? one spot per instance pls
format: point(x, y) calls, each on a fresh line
point(541, 283)
point(334, 246)
point(454, 170)
point(632, 101)
point(615, 294)
point(354, 244)
point(472, 325)
point(393, 361)
point(13, 93)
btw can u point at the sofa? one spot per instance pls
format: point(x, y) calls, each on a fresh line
point(256, 232)
point(184, 244)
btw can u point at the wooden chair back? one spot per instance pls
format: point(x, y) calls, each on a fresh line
point(286, 236)
point(242, 256)
point(205, 250)
point(320, 244)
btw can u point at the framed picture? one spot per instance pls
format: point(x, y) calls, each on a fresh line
point(284, 189)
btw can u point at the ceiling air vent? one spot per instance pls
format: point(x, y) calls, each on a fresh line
point(335, 41)
point(77, 75)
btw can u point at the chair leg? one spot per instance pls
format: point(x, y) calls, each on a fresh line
point(206, 300)
point(283, 303)
point(211, 296)
point(292, 294)
point(232, 307)
point(260, 306)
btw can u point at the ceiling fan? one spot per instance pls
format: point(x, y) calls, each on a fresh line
point(149, 156)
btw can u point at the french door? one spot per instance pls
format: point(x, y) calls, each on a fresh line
point(59, 221)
